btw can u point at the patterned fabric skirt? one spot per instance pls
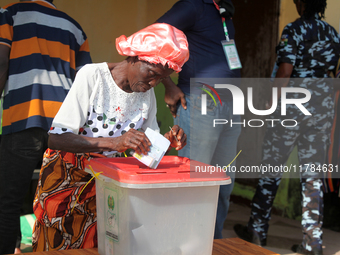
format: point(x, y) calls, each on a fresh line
point(64, 205)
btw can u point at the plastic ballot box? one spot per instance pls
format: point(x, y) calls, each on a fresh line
point(169, 210)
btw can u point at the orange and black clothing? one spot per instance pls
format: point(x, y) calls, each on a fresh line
point(47, 48)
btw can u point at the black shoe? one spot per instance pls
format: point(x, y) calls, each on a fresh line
point(298, 248)
point(250, 236)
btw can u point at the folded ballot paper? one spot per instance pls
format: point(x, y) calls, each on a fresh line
point(159, 146)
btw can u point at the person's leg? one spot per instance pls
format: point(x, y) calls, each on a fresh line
point(18, 242)
point(277, 146)
point(222, 207)
point(225, 153)
point(312, 156)
point(183, 120)
point(278, 143)
point(312, 213)
point(19, 154)
point(261, 207)
point(210, 145)
point(202, 136)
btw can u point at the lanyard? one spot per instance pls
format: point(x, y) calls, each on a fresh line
point(223, 22)
point(225, 29)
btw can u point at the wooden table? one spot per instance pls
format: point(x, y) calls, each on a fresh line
point(228, 246)
point(233, 246)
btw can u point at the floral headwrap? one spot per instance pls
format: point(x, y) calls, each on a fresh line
point(158, 43)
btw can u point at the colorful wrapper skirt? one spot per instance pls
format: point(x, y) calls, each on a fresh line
point(64, 204)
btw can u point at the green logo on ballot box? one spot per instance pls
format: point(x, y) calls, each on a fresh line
point(110, 202)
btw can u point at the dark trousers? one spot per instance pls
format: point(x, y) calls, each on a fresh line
point(20, 154)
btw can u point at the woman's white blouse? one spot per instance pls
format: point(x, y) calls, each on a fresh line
point(96, 107)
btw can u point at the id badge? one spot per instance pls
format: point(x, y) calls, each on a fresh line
point(231, 54)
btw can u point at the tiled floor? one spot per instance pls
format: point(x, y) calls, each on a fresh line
point(283, 232)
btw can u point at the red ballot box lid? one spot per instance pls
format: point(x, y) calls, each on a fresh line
point(171, 169)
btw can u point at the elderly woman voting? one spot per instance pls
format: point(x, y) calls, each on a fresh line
point(103, 114)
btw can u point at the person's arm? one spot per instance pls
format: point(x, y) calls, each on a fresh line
point(70, 142)
point(283, 73)
point(132, 139)
point(182, 15)
point(179, 142)
point(4, 60)
point(6, 36)
point(176, 135)
point(281, 80)
point(73, 114)
point(286, 57)
point(173, 95)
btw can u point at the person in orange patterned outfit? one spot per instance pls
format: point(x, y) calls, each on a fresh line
point(101, 116)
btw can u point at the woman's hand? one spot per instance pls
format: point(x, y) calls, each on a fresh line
point(133, 139)
point(177, 137)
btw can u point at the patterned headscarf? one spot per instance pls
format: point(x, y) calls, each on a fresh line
point(158, 43)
